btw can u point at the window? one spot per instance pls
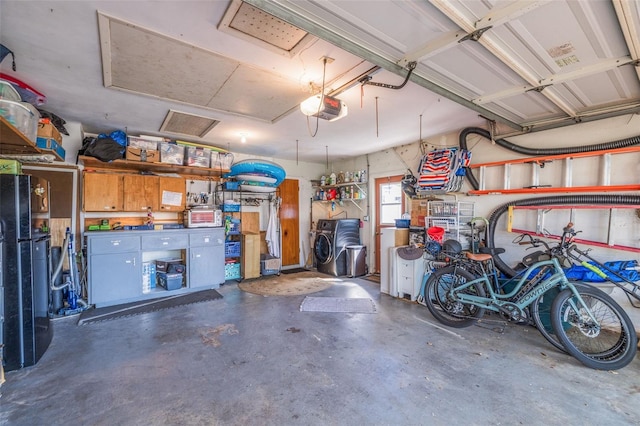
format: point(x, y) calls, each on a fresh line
point(391, 202)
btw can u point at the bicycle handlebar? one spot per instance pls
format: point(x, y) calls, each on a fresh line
point(568, 233)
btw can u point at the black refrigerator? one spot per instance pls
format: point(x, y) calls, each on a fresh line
point(25, 272)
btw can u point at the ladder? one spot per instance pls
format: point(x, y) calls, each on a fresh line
point(542, 231)
point(537, 164)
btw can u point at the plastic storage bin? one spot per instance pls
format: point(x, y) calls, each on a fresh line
point(231, 271)
point(197, 157)
point(171, 153)
point(230, 207)
point(232, 249)
point(170, 281)
point(22, 116)
point(269, 265)
point(8, 92)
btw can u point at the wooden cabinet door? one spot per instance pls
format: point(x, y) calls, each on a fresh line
point(141, 193)
point(102, 192)
point(172, 194)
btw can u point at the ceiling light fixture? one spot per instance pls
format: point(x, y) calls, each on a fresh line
point(243, 137)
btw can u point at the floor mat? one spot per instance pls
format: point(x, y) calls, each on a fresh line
point(338, 304)
point(119, 311)
point(293, 271)
point(373, 278)
point(287, 285)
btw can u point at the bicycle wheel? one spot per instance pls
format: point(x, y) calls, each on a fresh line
point(445, 309)
point(610, 343)
point(541, 314)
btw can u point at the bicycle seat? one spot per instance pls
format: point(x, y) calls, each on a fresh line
point(480, 257)
point(491, 250)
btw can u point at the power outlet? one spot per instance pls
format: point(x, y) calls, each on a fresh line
point(365, 219)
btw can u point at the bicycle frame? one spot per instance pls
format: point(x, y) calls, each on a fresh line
point(495, 301)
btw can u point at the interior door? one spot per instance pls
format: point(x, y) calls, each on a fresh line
point(390, 202)
point(290, 222)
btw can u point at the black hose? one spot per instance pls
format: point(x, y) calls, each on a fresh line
point(635, 140)
point(604, 199)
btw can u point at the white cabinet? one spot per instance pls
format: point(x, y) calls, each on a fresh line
point(390, 238)
point(409, 275)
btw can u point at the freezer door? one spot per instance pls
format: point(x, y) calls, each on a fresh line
point(19, 324)
point(15, 207)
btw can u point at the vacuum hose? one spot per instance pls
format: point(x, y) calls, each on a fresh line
point(603, 199)
point(635, 140)
point(59, 268)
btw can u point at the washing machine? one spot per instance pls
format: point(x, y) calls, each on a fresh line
point(330, 246)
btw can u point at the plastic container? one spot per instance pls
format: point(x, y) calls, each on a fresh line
point(435, 233)
point(231, 271)
point(169, 281)
point(232, 249)
point(231, 207)
point(8, 93)
point(171, 153)
point(23, 116)
point(402, 223)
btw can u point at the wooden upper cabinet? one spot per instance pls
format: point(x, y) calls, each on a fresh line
point(172, 193)
point(102, 192)
point(141, 193)
point(133, 193)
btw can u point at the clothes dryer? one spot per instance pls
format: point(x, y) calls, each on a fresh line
point(330, 247)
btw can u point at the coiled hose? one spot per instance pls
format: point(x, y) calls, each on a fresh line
point(604, 199)
point(462, 140)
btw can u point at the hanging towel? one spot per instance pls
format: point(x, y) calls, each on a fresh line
point(272, 237)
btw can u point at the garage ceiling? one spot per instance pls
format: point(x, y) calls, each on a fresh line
point(217, 71)
point(531, 65)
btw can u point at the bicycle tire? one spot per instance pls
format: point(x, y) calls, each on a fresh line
point(541, 314)
point(609, 345)
point(450, 312)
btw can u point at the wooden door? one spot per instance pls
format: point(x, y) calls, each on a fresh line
point(172, 194)
point(290, 222)
point(141, 193)
point(102, 192)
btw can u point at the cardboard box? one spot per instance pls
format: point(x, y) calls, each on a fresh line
point(10, 167)
point(52, 146)
point(49, 131)
point(142, 155)
point(418, 212)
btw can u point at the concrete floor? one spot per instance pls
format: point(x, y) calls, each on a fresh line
point(257, 360)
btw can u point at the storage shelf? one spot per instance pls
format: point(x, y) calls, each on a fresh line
point(94, 163)
point(12, 141)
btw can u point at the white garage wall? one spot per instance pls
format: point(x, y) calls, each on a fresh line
point(625, 169)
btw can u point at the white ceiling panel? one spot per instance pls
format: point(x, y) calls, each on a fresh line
point(528, 65)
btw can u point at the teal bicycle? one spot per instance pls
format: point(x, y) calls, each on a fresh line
point(585, 321)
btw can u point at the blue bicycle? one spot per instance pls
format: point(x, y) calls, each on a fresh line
point(584, 321)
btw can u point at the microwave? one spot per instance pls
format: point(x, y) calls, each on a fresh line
point(202, 218)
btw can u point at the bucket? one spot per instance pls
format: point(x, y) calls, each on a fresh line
point(435, 233)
